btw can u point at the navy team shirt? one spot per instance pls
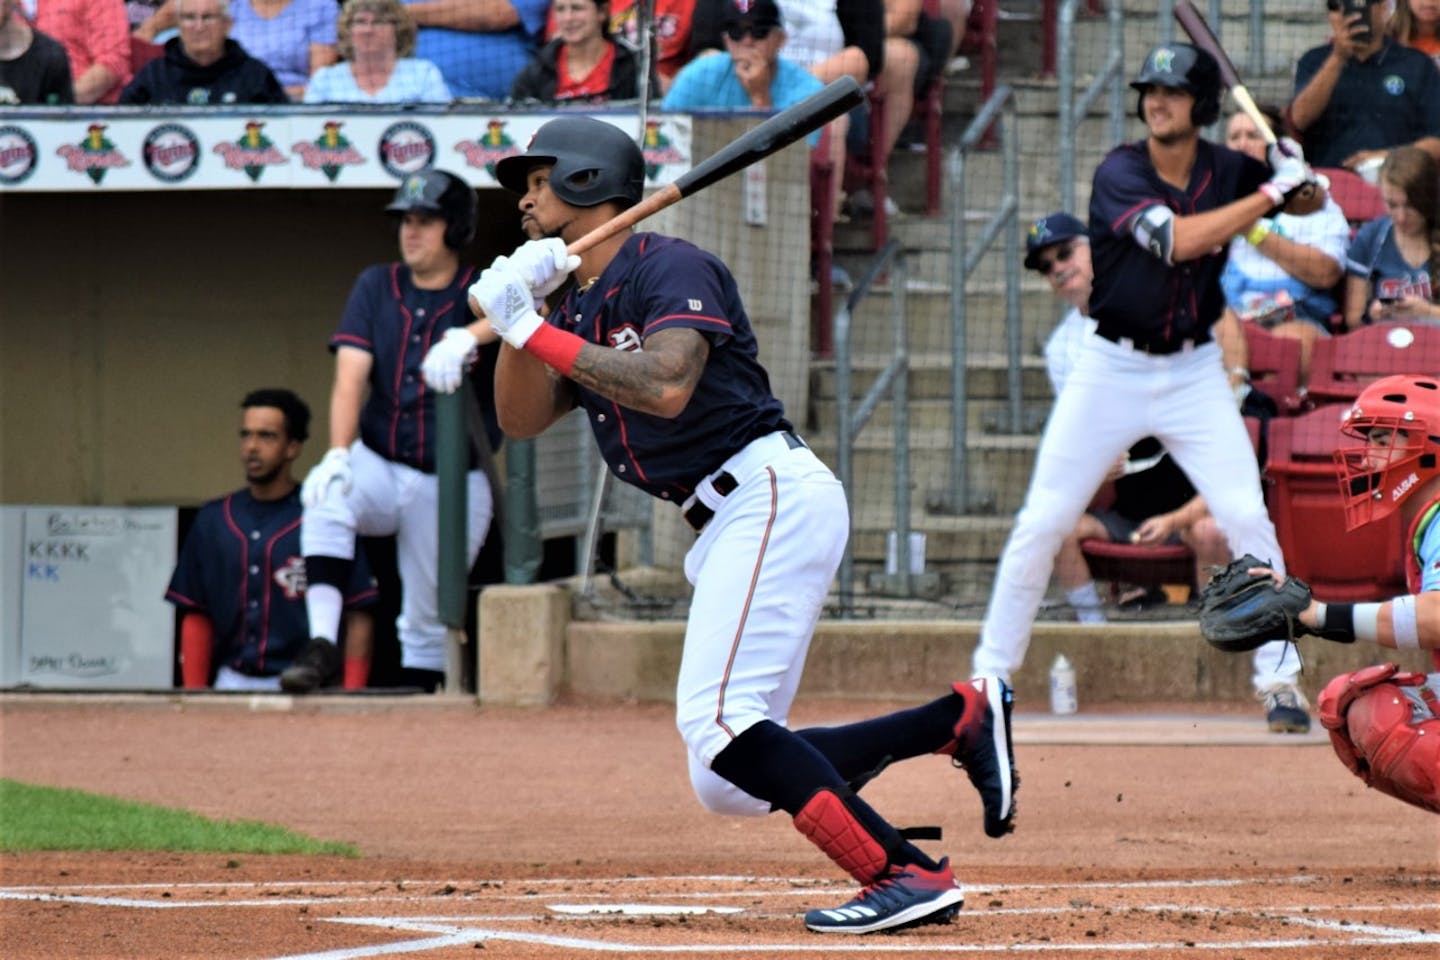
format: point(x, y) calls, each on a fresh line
point(1136, 294)
point(397, 323)
point(657, 283)
point(241, 566)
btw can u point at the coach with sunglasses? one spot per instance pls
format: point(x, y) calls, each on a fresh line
point(750, 73)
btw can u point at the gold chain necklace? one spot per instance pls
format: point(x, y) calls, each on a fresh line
point(587, 284)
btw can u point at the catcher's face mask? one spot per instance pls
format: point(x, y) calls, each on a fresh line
point(1395, 420)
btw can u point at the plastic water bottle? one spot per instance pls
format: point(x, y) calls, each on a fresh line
point(1062, 686)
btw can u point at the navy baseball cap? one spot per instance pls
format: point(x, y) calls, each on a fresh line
point(759, 13)
point(1049, 230)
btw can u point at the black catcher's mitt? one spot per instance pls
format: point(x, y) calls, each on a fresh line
point(1240, 610)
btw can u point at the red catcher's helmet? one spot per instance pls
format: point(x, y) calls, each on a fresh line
point(1397, 419)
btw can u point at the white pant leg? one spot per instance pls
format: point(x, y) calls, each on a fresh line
point(228, 679)
point(370, 508)
point(1100, 412)
point(1206, 435)
point(761, 569)
point(417, 555)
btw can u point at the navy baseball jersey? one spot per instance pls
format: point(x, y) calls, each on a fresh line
point(241, 565)
point(1136, 294)
point(1375, 256)
point(397, 323)
point(656, 283)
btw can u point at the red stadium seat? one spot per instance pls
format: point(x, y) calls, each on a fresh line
point(1136, 564)
point(1275, 366)
point(1309, 516)
point(1341, 366)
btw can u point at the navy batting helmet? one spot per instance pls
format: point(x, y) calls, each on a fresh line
point(1187, 68)
point(593, 162)
point(436, 191)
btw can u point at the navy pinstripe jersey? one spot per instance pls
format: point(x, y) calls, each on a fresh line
point(241, 565)
point(658, 283)
point(1135, 293)
point(397, 323)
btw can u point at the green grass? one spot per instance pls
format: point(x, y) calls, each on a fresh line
point(46, 818)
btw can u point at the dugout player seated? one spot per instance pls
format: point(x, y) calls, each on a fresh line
point(240, 580)
point(1385, 723)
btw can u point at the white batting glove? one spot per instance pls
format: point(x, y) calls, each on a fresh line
point(333, 470)
point(507, 301)
point(1281, 149)
point(1289, 175)
point(444, 364)
point(544, 265)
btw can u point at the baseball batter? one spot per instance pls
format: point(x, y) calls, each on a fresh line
point(1385, 723)
point(240, 579)
point(654, 344)
point(1162, 211)
point(402, 325)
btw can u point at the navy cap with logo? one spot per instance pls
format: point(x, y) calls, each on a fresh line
point(758, 13)
point(1049, 230)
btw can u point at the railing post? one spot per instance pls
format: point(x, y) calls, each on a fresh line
point(452, 462)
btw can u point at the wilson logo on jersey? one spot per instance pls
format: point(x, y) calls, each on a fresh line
point(695, 305)
point(291, 578)
point(626, 338)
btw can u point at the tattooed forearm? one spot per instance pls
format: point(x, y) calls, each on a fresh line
point(657, 379)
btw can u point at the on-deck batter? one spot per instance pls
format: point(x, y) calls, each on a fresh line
point(654, 344)
point(378, 477)
point(1161, 213)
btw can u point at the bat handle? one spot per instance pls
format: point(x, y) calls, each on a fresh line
point(1247, 104)
point(626, 219)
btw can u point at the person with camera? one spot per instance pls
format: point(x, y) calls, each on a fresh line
point(1363, 93)
point(1394, 260)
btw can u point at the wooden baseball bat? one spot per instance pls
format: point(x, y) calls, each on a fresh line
point(1193, 22)
point(837, 97)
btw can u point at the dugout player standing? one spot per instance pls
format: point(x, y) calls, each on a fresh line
point(240, 579)
point(653, 342)
point(378, 477)
point(1162, 212)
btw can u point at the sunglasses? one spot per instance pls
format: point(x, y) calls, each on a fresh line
point(1063, 253)
point(738, 31)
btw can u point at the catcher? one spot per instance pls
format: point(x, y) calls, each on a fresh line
point(1384, 723)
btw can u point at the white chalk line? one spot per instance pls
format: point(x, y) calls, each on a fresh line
point(448, 931)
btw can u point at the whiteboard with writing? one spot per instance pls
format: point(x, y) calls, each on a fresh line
point(91, 606)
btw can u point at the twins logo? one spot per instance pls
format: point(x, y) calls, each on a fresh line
point(626, 338)
point(18, 155)
point(171, 152)
point(291, 578)
point(406, 147)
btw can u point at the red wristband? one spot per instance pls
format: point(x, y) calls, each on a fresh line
point(556, 347)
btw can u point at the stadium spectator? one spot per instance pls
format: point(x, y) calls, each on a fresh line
point(203, 65)
point(1395, 259)
point(1416, 23)
point(239, 583)
point(750, 74)
point(33, 66)
point(96, 37)
point(376, 38)
point(1154, 502)
point(294, 38)
point(1283, 273)
point(669, 33)
point(1363, 93)
point(583, 63)
point(479, 45)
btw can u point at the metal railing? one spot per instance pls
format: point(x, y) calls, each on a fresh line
point(893, 381)
point(963, 262)
point(1072, 109)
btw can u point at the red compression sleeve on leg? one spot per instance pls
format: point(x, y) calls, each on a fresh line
point(357, 672)
point(556, 347)
point(197, 639)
